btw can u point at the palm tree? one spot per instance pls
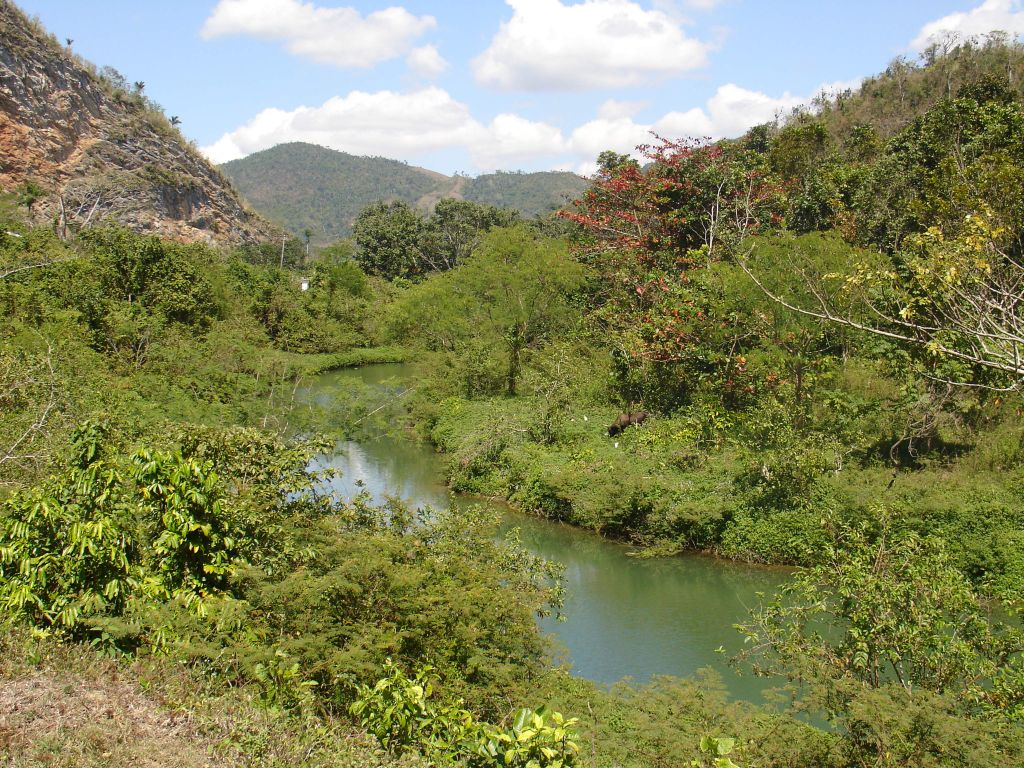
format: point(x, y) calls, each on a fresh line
point(140, 86)
point(175, 120)
point(69, 41)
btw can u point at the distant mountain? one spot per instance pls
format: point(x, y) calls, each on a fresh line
point(307, 187)
point(93, 149)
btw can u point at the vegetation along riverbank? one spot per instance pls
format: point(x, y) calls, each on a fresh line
point(821, 318)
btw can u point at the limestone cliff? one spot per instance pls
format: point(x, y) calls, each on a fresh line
point(99, 151)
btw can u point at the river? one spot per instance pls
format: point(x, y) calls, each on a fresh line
point(624, 617)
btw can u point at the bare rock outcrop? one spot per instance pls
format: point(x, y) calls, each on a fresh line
point(100, 151)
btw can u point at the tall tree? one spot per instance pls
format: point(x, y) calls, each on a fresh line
point(388, 239)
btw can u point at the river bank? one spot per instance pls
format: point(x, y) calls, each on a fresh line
point(624, 617)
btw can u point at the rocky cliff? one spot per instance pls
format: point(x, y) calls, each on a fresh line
point(96, 150)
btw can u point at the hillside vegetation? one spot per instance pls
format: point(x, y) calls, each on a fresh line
point(822, 324)
point(306, 188)
point(816, 330)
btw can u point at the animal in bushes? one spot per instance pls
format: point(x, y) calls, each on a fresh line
point(627, 420)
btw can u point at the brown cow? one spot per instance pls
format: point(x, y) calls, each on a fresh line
point(626, 420)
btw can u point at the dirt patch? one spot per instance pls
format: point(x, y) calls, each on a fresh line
point(51, 720)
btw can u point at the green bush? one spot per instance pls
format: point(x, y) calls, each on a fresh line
point(398, 710)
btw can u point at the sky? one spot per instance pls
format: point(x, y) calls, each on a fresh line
point(483, 85)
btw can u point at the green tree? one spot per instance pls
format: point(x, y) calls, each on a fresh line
point(888, 611)
point(509, 296)
point(388, 237)
point(455, 229)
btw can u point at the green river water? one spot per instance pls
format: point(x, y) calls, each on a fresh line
point(625, 617)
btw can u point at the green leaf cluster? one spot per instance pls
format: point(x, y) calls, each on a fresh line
point(398, 710)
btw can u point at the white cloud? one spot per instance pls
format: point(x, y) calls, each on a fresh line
point(728, 113)
point(548, 45)
point(510, 140)
point(398, 125)
point(1004, 15)
point(612, 109)
point(409, 125)
point(621, 134)
point(383, 123)
point(426, 61)
point(329, 35)
point(733, 109)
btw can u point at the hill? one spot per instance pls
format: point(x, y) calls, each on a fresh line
point(307, 187)
point(85, 147)
point(889, 101)
point(532, 194)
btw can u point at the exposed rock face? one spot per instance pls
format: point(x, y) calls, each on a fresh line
point(101, 152)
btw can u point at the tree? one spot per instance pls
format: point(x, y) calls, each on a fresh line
point(509, 296)
point(175, 120)
point(888, 612)
point(162, 277)
point(29, 194)
point(388, 238)
point(610, 161)
point(307, 235)
point(455, 229)
point(520, 285)
point(888, 639)
point(944, 206)
point(957, 299)
point(692, 195)
point(653, 232)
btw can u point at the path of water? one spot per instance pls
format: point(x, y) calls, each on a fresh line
point(625, 616)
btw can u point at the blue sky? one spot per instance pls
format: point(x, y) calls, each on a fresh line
point(478, 86)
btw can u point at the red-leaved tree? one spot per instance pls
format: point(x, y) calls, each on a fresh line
point(651, 230)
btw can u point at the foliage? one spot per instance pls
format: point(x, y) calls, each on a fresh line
point(399, 712)
point(691, 197)
point(68, 552)
point(715, 752)
point(455, 228)
point(888, 618)
point(487, 315)
point(388, 237)
point(154, 548)
point(281, 682)
point(395, 241)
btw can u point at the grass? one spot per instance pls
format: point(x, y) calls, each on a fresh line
point(674, 483)
point(64, 705)
point(353, 358)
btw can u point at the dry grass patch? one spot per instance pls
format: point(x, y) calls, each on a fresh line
point(64, 706)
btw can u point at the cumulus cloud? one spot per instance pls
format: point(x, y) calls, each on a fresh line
point(385, 122)
point(729, 112)
point(393, 124)
point(407, 125)
point(510, 140)
point(548, 45)
point(426, 62)
point(1003, 15)
point(328, 35)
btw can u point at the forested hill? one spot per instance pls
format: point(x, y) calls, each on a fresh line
point(83, 147)
point(892, 99)
point(305, 187)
